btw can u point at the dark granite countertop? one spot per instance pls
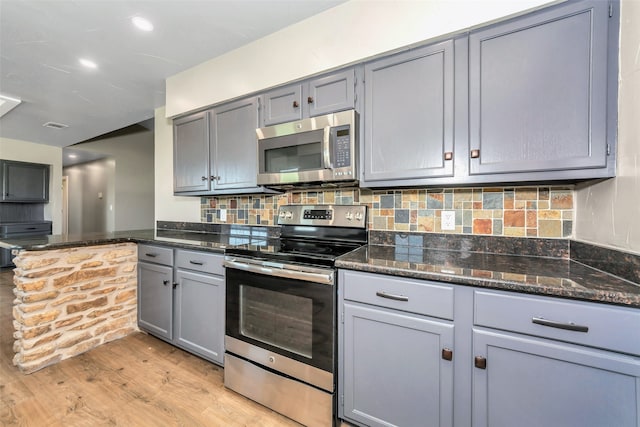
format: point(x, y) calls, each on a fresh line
point(551, 276)
point(216, 242)
point(529, 274)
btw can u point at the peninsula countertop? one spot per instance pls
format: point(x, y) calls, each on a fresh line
point(217, 242)
point(525, 274)
point(550, 276)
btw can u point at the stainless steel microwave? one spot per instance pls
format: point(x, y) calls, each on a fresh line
point(320, 150)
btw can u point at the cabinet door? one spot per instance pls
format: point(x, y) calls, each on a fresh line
point(155, 299)
point(199, 314)
point(409, 115)
point(191, 153)
point(234, 144)
point(538, 91)
point(24, 182)
point(536, 382)
point(394, 373)
point(283, 105)
point(332, 93)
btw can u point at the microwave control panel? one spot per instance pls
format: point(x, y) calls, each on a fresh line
point(342, 147)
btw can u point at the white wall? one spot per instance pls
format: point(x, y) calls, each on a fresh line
point(129, 198)
point(345, 34)
point(608, 213)
point(87, 211)
point(23, 151)
point(167, 206)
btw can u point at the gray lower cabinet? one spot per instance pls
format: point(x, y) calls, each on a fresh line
point(409, 116)
point(182, 301)
point(23, 182)
point(548, 362)
point(395, 365)
point(540, 103)
point(519, 360)
point(313, 97)
point(215, 150)
point(155, 299)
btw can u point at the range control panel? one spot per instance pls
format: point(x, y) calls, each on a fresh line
point(325, 215)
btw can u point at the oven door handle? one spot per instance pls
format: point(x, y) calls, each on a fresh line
point(319, 276)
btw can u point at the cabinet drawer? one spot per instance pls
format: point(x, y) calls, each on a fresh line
point(415, 296)
point(596, 325)
point(26, 228)
point(200, 261)
point(155, 254)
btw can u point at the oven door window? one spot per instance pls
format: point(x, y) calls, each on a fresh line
point(286, 316)
point(280, 320)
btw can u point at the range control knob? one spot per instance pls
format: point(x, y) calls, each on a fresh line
point(281, 215)
point(358, 216)
point(349, 216)
point(288, 215)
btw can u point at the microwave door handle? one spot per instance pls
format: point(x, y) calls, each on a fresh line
point(326, 151)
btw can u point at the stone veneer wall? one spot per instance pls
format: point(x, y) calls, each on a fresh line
point(545, 211)
point(71, 300)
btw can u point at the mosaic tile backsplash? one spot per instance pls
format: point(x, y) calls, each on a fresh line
point(496, 211)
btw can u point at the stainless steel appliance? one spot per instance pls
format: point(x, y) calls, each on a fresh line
point(320, 150)
point(280, 342)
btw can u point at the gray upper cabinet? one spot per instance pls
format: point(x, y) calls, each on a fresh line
point(538, 94)
point(313, 97)
point(215, 150)
point(24, 182)
point(283, 104)
point(233, 144)
point(191, 153)
point(409, 116)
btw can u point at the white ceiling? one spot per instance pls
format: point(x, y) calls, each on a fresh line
point(41, 43)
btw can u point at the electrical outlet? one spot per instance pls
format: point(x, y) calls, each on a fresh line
point(448, 220)
point(223, 214)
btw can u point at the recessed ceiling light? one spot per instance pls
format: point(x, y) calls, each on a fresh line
point(72, 156)
point(88, 63)
point(142, 23)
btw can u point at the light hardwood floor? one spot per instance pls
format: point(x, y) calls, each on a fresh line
point(136, 381)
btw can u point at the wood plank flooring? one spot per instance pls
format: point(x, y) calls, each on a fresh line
point(136, 381)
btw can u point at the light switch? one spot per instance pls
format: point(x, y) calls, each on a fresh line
point(223, 214)
point(448, 220)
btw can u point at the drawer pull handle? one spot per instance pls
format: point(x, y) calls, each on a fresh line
point(196, 262)
point(392, 296)
point(480, 362)
point(151, 255)
point(559, 325)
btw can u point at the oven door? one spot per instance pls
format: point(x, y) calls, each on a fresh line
point(282, 318)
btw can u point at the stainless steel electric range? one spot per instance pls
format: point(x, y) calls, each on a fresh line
point(281, 311)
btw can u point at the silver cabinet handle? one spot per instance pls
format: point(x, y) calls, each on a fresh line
point(392, 296)
point(559, 325)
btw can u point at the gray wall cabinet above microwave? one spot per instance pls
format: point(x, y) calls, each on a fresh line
point(215, 150)
point(23, 182)
point(313, 97)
